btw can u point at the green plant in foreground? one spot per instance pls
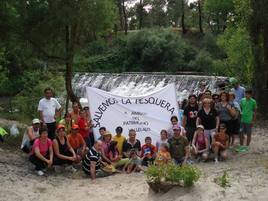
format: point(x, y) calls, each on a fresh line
point(172, 173)
point(224, 180)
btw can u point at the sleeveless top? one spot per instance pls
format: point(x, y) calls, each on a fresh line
point(201, 142)
point(26, 140)
point(62, 147)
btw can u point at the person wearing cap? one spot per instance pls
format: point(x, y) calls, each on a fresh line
point(131, 143)
point(200, 145)
point(31, 133)
point(77, 142)
point(220, 143)
point(49, 110)
point(190, 116)
point(42, 152)
point(64, 153)
point(106, 140)
point(238, 90)
point(179, 146)
point(119, 138)
point(174, 121)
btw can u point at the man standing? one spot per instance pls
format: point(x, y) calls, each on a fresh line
point(237, 89)
point(49, 109)
point(92, 162)
point(179, 147)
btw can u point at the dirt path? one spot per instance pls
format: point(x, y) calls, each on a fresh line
point(248, 176)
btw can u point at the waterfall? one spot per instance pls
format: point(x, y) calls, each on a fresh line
point(134, 84)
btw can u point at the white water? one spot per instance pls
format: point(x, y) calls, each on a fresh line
point(133, 84)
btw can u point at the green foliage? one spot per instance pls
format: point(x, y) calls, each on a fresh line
point(185, 175)
point(34, 83)
point(224, 180)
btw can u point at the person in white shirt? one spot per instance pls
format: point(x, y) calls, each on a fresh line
point(49, 109)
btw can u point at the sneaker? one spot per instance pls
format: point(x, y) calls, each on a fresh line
point(40, 173)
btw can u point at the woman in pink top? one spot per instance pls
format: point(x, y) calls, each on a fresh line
point(42, 152)
point(200, 145)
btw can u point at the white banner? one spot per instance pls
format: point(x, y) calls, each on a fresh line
point(147, 114)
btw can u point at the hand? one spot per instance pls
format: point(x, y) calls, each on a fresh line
point(49, 163)
point(228, 107)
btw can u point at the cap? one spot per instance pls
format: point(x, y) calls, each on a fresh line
point(36, 121)
point(233, 80)
point(176, 127)
point(107, 133)
point(75, 126)
point(60, 126)
point(200, 126)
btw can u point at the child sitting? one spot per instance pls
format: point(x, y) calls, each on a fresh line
point(220, 143)
point(163, 155)
point(148, 152)
point(134, 163)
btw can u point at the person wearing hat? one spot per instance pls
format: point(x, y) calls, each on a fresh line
point(200, 145)
point(179, 146)
point(106, 140)
point(31, 133)
point(238, 90)
point(64, 153)
point(220, 143)
point(77, 142)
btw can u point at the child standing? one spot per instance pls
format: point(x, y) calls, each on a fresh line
point(248, 117)
point(163, 155)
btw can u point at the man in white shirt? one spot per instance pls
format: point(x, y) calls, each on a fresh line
point(49, 109)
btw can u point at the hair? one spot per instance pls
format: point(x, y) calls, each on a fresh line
point(48, 89)
point(119, 128)
point(131, 130)
point(206, 100)
point(208, 91)
point(165, 145)
point(248, 91)
point(165, 131)
point(192, 95)
point(184, 103)
point(148, 138)
point(112, 147)
point(41, 130)
point(82, 110)
point(174, 117)
point(67, 115)
point(215, 95)
point(102, 128)
point(227, 95)
point(231, 94)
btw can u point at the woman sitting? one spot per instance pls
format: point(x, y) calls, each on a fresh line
point(42, 152)
point(115, 157)
point(64, 153)
point(200, 145)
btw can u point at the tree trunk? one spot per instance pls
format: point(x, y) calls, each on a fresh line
point(200, 16)
point(69, 47)
point(119, 5)
point(182, 18)
point(259, 37)
point(125, 17)
point(140, 10)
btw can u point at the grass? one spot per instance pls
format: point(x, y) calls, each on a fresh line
point(224, 180)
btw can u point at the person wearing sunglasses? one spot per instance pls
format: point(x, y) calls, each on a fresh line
point(220, 143)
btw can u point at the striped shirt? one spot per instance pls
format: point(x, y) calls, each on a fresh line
point(91, 156)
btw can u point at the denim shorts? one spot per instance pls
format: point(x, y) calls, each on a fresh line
point(246, 128)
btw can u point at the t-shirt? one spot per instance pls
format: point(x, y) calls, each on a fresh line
point(223, 112)
point(83, 123)
point(208, 120)
point(191, 115)
point(127, 146)
point(247, 108)
point(222, 138)
point(91, 156)
point(48, 108)
point(148, 150)
point(120, 141)
point(162, 157)
point(76, 140)
point(239, 93)
point(43, 147)
point(177, 147)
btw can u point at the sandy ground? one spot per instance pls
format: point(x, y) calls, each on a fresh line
point(248, 176)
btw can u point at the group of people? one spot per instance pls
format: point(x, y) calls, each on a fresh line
point(209, 125)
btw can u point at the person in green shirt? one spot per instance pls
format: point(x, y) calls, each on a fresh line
point(248, 116)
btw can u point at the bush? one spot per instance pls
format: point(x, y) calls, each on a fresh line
point(185, 175)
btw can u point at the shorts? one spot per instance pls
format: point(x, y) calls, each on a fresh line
point(235, 124)
point(209, 134)
point(246, 128)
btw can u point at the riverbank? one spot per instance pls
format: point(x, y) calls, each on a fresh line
point(248, 174)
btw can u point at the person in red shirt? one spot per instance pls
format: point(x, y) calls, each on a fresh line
point(148, 152)
point(84, 127)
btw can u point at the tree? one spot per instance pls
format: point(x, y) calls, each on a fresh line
point(176, 12)
point(199, 3)
point(258, 26)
